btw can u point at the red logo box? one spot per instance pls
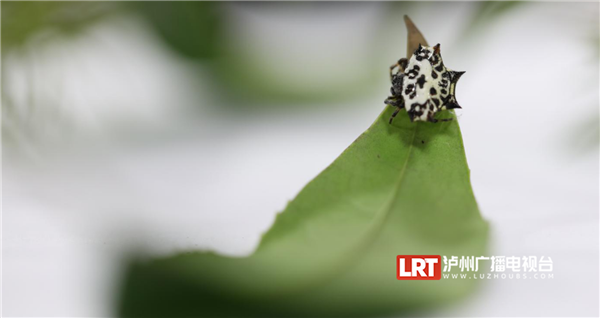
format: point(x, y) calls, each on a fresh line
point(418, 267)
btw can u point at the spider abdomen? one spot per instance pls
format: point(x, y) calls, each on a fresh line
point(425, 86)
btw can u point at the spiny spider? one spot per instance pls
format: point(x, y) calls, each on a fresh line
point(423, 85)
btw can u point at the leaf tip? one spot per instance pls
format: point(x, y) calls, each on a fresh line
point(415, 38)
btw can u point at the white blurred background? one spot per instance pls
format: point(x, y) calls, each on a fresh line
point(119, 134)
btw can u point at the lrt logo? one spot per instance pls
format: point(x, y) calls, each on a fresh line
point(419, 267)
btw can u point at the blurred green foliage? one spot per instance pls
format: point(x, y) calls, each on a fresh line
point(488, 11)
point(22, 19)
point(191, 28)
point(249, 85)
point(195, 30)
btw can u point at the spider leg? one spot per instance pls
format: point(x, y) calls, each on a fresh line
point(395, 101)
point(392, 70)
point(398, 103)
point(394, 114)
point(401, 65)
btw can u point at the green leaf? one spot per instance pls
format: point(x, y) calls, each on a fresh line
point(400, 189)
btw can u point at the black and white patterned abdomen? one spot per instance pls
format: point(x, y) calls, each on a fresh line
point(425, 85)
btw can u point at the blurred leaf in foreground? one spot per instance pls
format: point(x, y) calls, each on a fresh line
point(23, 19)
point(190, 28)
point(398, 189)
point(298, 55)
point(487, 12)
